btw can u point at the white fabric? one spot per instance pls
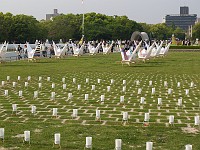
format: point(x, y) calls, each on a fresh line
point(3, 50)
point(156, 50)
point(165, 49)
point(58, 51)
point(78, 51)
point(93, 50)
point(30, 51)
point(130, 55)
point(107, 48)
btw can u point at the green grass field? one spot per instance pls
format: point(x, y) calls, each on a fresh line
point(176, 67)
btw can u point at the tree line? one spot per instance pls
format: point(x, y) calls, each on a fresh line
point(22, 28)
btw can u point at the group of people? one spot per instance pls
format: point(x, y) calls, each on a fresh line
point(22, 52)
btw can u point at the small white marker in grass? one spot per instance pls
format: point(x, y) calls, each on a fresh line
point(150, 83)
point(63, 80)
point(6, 93)
point(171, 119)
point(112, 81)
point(121, 99)
point(20, 93)
point(75, 113)
point(40, 78)
point(53, 95)
point(165, 83)
point(192, 84)
point(142, 99)
point(124, 82)
point(29, 78)
point(14, 84)
point(70, 96)
point(2, 83)
point(33, 109)
point(87, 80)
point(124, 89)
point(118, 144)
point(93, 87)
point(178, 84)
point(55, 112)
point(139, 91)
point(188, 147)
point(88, 142)
point(180, 102)
point(153, 91)
point(39, 85)
point(26, 84)
point(86, 96)
point(57, 140)
point(159, 101)
point(35, 94)
point(196, 120)
point(79, 87)
point(98, 115)
point(102, 98)
point(53, 85)
point(125, 116)
point(27, 135)
point(74, 80)
point(108, 88)
point(137, 82)
point(169, 91)
point(2, 131)
point(14, 108)
point(98, 81)
point(146, 117)
point(8, 78)
point(64, 86)
point(187, 92)
point(149, 145)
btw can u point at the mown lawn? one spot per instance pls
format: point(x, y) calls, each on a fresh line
point(176, 67)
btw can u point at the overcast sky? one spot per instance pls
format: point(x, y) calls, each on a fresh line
point(149, 11)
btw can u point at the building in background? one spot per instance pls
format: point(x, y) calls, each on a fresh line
point(184, 20)
point(50, 16)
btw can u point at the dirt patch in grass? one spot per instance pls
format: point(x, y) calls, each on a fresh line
point(190, 130)
point(19, 136)
point(11, 148)
point(38, 130)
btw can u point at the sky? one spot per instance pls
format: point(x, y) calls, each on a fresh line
point(148, 11)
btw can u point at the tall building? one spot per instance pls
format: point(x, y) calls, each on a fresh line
point(184, 10)
point(184, 20)
point(50, 16)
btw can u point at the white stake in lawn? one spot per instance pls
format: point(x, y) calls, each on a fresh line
point(2, 131)
point(149, 145)
point(118, 144)
point(88, 142)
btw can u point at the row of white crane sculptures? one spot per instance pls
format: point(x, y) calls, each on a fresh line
point(59, 49)
point(128, 56)
point(144, 52)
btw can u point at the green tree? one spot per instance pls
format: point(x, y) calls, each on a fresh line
point(64, 27)
point(24, 28)
point(196, 31)
point(179, 33)
point(5, 26)
point(160, 31)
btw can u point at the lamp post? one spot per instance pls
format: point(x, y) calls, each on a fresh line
point(83, 22)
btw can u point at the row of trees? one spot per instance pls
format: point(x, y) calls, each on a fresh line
point(22, 28)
